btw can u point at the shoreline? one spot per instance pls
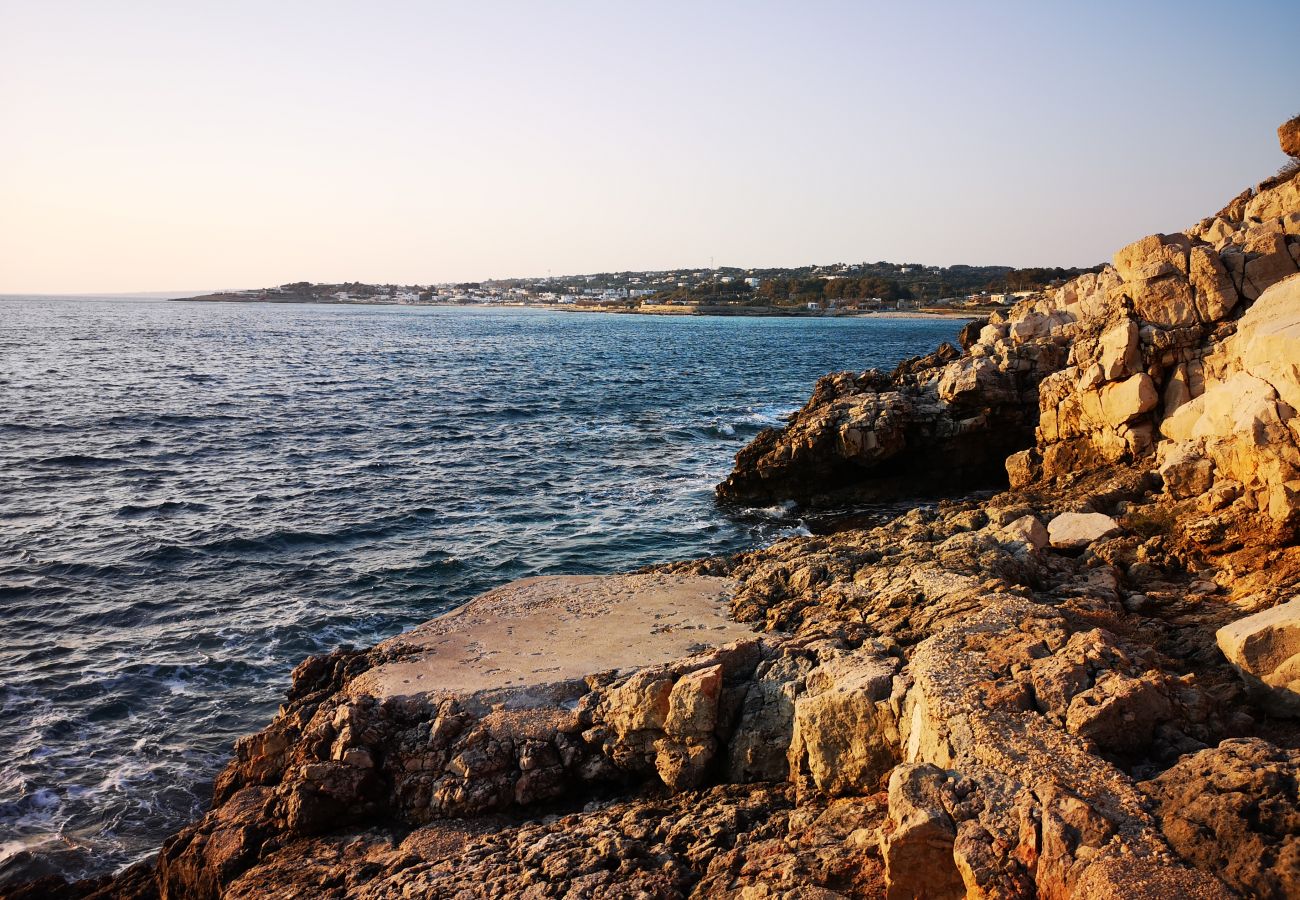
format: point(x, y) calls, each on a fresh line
point(685, 312)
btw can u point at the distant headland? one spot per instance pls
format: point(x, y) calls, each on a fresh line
point(840, 289)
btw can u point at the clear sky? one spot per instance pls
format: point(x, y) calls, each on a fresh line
point(187, 145)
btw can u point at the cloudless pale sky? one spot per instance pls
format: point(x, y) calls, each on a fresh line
point(166, 145)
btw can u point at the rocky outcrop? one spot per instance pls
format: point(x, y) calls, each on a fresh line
point(1073, 380)
point(936, 425)
point(1068, 689)
point(1235, 810)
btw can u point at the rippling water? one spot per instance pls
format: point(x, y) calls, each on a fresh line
point(196, 496)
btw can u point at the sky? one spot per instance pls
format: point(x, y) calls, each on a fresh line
point(168, 146)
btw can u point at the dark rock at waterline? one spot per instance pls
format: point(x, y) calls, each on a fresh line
point(939, 424)
point(970, 332)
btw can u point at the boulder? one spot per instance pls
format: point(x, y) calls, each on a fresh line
point(1119, 713)
point(1126, 400)
point(1271, 260)
point(1267, 342)
point(1153, 256)
point(1023, 468)
point(1265, 650)
point(1288, 136)
point(1186, 470)
point(1117, 351)
point(1215, 294)
point(1073, 531)
point(1029, 530)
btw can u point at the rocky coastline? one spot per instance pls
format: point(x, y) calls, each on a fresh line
point(1085, 685)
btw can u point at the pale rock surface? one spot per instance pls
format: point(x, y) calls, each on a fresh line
point(1071, 531)
point(1124, 401)
point(1119, 354)
point(1244, 423)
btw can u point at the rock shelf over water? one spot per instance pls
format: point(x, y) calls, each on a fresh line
point(1022, 696)
point(532, 638)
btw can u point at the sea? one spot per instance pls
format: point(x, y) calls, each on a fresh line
point(196, 496)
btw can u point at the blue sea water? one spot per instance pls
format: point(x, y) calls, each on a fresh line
point(195, 496)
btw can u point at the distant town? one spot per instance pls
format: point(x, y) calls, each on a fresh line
point(838, 289)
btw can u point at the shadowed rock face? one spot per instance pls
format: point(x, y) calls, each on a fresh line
point(939, 424)
point(1016, 697)
point(1235, 809)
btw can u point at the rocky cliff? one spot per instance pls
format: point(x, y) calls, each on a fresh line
point(1084, 686)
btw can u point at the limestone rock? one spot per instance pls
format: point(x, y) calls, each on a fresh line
point(1152, 257)
point(1243, 422)
point(759, 749)
point(918, 850)
point(1023, 468)
point(1268, 340)
point(1072, 824)
point(1071, 531)
point(845, 737)
point(1118, 352)
point(1186, 470)
point(931, 425)
point(1119, 713)
point(1125, 401)
point(1265, 649)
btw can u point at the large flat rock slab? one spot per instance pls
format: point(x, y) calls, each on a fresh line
point(551, 630)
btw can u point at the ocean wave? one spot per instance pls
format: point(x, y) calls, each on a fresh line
point(772, 415)
point(164, 507)
point(77, 461)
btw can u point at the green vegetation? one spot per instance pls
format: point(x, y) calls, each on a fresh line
point(805, 290)
point(1035, 279)
point(715, 291)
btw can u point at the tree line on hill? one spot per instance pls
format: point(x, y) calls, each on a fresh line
point(1035, 279)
